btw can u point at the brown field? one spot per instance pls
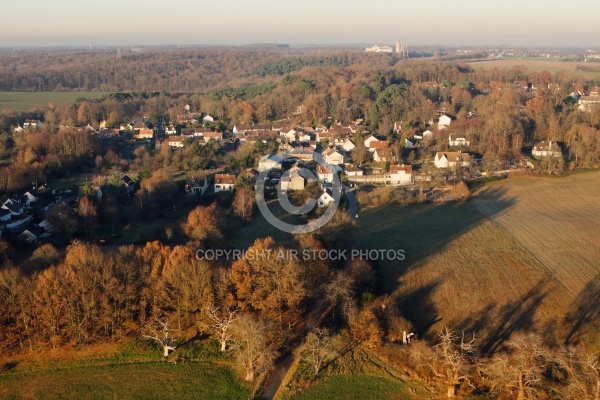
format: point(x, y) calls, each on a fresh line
point(524, 254)
point(538, 65)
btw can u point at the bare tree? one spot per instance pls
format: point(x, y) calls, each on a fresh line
point(160, 333)
point(318, 348)
point(451, 361)
point(582, 372)
point(255, 349)
point(521, 369)
point(223, 324)
point(86, 210)
point(243, 202)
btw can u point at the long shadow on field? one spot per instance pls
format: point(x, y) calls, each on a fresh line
point(515, 316)
point(421, 231)
point(418, 307)
point(585, 312)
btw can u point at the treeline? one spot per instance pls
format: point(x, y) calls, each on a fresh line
point(291, 64)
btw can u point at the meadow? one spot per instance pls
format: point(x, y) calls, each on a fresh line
point(537, 65)
point(25, 101)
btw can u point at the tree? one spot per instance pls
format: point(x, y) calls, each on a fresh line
point(318, 348)
point(86, 210)
point(160, 333)
point(203, 225)
point(255, 350)
point(243, 203)
point(223, 323)
point(521, 369)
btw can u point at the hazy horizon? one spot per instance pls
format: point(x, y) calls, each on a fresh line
point(554, 23)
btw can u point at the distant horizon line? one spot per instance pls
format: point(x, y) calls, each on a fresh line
point(292, 45)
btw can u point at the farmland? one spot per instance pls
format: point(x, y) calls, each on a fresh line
point(537, 65)
point(24, 101)
point(522, 255)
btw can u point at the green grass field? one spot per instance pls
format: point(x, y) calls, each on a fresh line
point(24, 101)
point(155, 380)
point(359, 387)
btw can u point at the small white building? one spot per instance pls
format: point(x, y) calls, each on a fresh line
point(348, 146)
point(370, 140)
point(224, 182)
point(326, 198)
point(208, 118)
point(401, 174)
point(354, 171)
point(334, 156)
point(32, 123)
point(325, 174)
point(444, 121)
point(270, 161)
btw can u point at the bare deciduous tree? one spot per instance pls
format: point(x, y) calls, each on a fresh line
point(318, 348)
point(223, 324)
point(253, 344)
point(160, 333)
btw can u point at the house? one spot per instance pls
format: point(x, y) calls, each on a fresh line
point(589, 103)
point(208, 118)
point(170, 130)
point(383, 155)
point(451, 160)
point(47, 226)
point(33, 234)
point(380, 144)
point(523, 85)
point(32, 123)
point(401, 174)
point(144, 134)
point(175, 142)
point(370, 140)
point(458, 139)
point(326, 198)
point(348, 146)
point(444, 121)
point(546, 149)
point(325, 173)
point(18, 128)
point(269, 162)
point(14, 206)
point(208, 136)
point(334, 156)
point(224, 182)
point(30, 197)
point(354, 171)
point(292, 180)
point(426, 135)
point(408, 144)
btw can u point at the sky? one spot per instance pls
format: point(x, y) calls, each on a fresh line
point(238, 22)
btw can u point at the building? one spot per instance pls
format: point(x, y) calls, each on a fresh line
point(292, 180)
point(458, 139)
point(175, 142)
point(334, 156)
point(383, 155)
point(354, 171)
point(444, 121)
point(325, 174)
point(270, 161)
point(401, 174)
point(546, 149)
point(144, 134)
point(224, 182)
point(379, 49)
point(32, 123)
point(326, 198)
point(589, 103)
point(208, 118)
point(451, 160)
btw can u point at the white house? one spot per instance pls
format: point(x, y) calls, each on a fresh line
point(175, 142)
point(447, 159)
point(397, 126)
point(224, 182)
point(325, 174)
point(444, 121)
point(370, 140)
point(32, 123)
point(18, 128)
point(334, 156)
point(208, 118)
point(269, 162)
point(458, 139)
point(401, 174)
point(546, 149)
point(354, 171)
point(14, 206)
point(325, 199)
point(170, 130)
point(408, 144)
point(382, 155)
point(426, 134)
point(348, 146)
